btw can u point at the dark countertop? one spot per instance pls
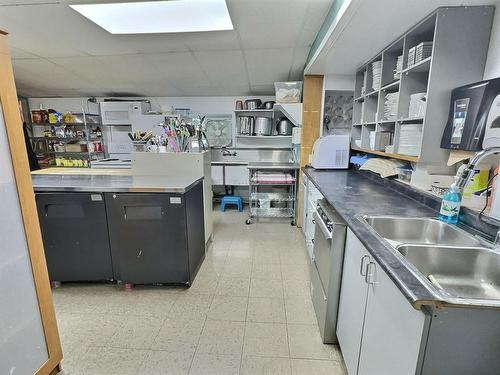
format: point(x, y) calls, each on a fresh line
point(112, 184)
point(353, 194)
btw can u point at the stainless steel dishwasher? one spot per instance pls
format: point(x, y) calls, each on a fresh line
point(326, 268)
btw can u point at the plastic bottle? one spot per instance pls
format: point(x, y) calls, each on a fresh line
point(450, 205)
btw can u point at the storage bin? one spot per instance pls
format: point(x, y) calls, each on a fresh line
point(288, 92)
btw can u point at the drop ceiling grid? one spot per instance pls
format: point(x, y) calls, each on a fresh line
point(270, 43)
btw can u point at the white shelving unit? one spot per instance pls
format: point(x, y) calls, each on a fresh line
point(458, 57)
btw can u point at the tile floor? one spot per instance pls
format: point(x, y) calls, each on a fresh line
point(248, 312)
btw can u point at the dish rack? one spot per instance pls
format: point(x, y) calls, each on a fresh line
point(275, 203)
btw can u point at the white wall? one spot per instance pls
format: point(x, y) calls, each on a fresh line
point(341, 82)
point(198, 105)
point(492, 67)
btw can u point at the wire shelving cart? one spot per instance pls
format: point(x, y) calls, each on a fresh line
point(272, 190)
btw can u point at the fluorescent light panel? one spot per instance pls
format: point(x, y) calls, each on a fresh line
point(172, 16)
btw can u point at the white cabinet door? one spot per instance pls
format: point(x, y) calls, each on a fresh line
point(217, 174)
point(392, 331)
point(236, 175)
point(352, 302)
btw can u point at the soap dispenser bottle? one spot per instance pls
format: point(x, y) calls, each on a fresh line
point(450, 205)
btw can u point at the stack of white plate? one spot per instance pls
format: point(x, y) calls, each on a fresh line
point(417, 105)
point(391, 106)
point(410, 139)
point(376, 74)
point(423, 51)
point(399, 67)
point(372, 140)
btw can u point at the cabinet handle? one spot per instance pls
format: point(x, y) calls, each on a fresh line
point(369, 274)
point(312, 240)
point(313, 221)
point(362, 266)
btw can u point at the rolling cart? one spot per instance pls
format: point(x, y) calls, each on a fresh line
point(272, 190)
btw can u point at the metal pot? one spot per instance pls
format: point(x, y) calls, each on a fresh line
point(268, 105)
point(253, 103)
point(263, 126)
point(284, 126)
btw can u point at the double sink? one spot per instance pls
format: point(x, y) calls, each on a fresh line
point(459, 267)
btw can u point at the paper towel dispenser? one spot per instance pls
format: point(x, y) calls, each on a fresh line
point(469, 110)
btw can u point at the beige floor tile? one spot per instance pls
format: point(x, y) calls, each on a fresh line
point(205, 283)
point(89, 329)
point(253, 365)
point(266, 271)
point(237, 268)
point(294, 288)
point(266, 256)
point(305, 342)
point(222, 337)
point(111, 361)
point(166, 363)
point(179, 335)
point(144, 302)
point(300, 310)
point(316, 367)
point(266, 288)
point(266, 339)
point(215, 364)
point(266, 310)
point(295, 272)
point(191, 306)
point(138, 332)
point(228, 308)
point(233, 286)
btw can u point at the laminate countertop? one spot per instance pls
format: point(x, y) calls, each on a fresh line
point(353, 195)
point(112, 183)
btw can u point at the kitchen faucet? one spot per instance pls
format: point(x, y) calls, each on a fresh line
point(463, 177)
point(226, 152)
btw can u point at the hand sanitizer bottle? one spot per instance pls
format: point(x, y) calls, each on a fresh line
point(450, 205)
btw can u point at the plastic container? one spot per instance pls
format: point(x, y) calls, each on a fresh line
point(404, 174)
point(288, 92)
point(450, 205)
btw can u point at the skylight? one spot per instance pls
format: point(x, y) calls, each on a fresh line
point(171, 16)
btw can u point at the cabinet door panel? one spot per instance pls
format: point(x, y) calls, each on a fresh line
point(393, 329)
point(148, 237)
point(236, 175)
point(75, 236)
point(352, 303)
point(217, 174)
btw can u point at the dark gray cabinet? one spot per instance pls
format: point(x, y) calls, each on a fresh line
point(75, 236)
point(156, 238)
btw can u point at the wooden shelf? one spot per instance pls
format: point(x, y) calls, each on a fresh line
point(409, 158)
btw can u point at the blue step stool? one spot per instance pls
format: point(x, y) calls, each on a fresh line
point(231, 199)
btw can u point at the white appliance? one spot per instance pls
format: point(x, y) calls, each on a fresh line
point(331, 152)
point(120, 112)
point(492, 133)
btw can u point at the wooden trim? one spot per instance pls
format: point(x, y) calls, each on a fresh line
point(311, 126)
point(410, 158)
point(13, 126)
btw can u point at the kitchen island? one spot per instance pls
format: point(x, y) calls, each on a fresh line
point(132, 229)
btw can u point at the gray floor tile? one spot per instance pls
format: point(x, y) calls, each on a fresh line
point(191, 306)
point(138, 332)
point(266, 288)
point(266, 271)
point(300, 310)
point(233, 286)
point(111, 361)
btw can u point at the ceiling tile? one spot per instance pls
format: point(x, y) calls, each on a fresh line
point(314, 17)
point(299, 61)
point(179, 68)
point(268, 24)
point(263, 89)
point(18, 53)
point(215, 40)
point(268, 65)
point(223, 67)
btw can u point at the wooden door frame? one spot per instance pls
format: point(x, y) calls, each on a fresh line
point(15, 137)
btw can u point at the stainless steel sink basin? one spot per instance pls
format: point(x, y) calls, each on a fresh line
point(425, 231)
point(462, 272)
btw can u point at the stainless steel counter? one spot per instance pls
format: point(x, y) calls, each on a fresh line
point(272, 165)
point(106, 183)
